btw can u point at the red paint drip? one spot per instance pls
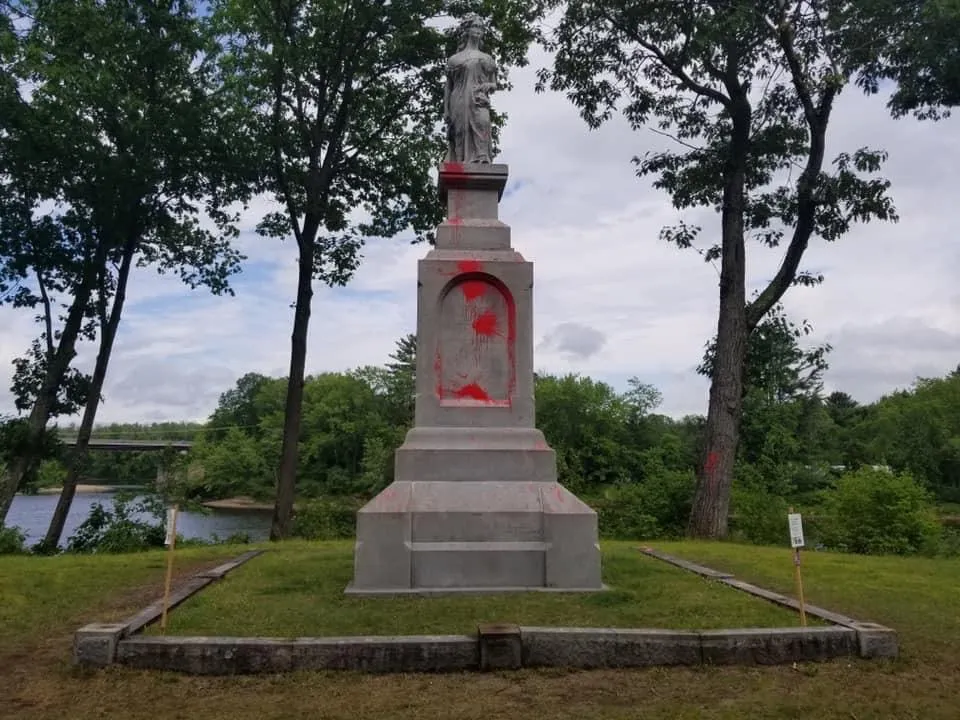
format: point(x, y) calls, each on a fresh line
point(485, 323)
point(473, 392)
point(473, 290)
point(438, 373)
point(454, 168)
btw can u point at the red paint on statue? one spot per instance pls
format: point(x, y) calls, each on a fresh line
point(511, 342)
point(438, 374)
point(472, 392)
point(485, 323)
point(473, 290)
point(453, 168)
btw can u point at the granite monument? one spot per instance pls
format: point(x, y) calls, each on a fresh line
point(475, 505)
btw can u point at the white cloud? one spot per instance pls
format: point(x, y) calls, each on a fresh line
point(889, 305)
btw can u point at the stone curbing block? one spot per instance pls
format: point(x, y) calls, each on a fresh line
point(608, 647)
point(776, 645)
point(95, 645)
point(241, 656)
point(876, 641)
point(221, 570)
point(501, 647)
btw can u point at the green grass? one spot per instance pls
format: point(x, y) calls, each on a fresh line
point(297, 591)
point(38, 593)
point(919, 595)
point(42, 600)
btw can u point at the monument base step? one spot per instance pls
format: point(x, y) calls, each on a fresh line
point(438, 536)
point(353, 590)
point(483, 564)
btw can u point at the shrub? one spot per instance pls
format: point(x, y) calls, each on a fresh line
point(123, 528)
point(656, 507)
point(326, 518)
point(878, 512)
point(12, 540)
point(759, 516)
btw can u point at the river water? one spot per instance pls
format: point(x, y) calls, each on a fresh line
point(32, 513)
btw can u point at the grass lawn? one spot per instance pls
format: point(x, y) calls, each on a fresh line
point(298, 591)
point(918, 597)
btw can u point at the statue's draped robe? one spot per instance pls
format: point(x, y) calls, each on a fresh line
point(470, 122)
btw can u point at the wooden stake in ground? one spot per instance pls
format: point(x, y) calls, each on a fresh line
point(171, 543)
point(796, 542)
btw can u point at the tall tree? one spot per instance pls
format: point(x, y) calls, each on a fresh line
point(125, 134)
point(237, 408)
point(344, 99)
point(402, 375)
point(746, 90)
point(43, 259)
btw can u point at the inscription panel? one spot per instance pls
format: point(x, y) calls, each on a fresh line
point(475, 360)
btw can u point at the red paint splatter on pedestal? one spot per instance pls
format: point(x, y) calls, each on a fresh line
point(438, 374)
point(485, 324)
point(472, 392)
point(469, 266)
point(473, 290)
point(453, 168)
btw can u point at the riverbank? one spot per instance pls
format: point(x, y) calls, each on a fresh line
point(81, 489)
point(241, 502)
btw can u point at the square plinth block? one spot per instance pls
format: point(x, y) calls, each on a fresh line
point(475, 536)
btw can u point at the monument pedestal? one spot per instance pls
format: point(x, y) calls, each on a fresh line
point(475, 504)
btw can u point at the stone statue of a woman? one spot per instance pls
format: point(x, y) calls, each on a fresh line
point(471, 77)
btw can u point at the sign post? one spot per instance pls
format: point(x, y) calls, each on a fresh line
point(170, 542)
point(796, 542)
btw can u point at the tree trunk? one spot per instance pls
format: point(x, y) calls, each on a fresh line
point(46, 398)
point(289, 453)
point(711, 502)
point(107, 335)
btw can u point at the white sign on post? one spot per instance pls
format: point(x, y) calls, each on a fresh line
point(796, 530)
point(171, 526)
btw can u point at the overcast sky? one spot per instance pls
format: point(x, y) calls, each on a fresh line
point(611, 300)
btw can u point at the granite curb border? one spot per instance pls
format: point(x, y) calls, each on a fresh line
point(96, 644)
point(503, 648)
point(874, 640)
point(492, 647)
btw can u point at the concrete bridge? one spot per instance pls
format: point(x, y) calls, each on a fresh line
point(119, 445)
point(122, 445)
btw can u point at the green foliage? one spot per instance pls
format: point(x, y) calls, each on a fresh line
point(123, 528)
point(326, 519)
point(233, 466)
point(585, 422)
point(878, 512)
point(913, 43)
point(777, 367)
point(655, 507)
point(759, 512)
point(12, 540)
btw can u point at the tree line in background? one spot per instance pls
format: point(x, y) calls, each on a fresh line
point(868, 476)
point(132, 133)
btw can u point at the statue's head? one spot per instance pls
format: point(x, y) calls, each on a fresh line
point(471, 26)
